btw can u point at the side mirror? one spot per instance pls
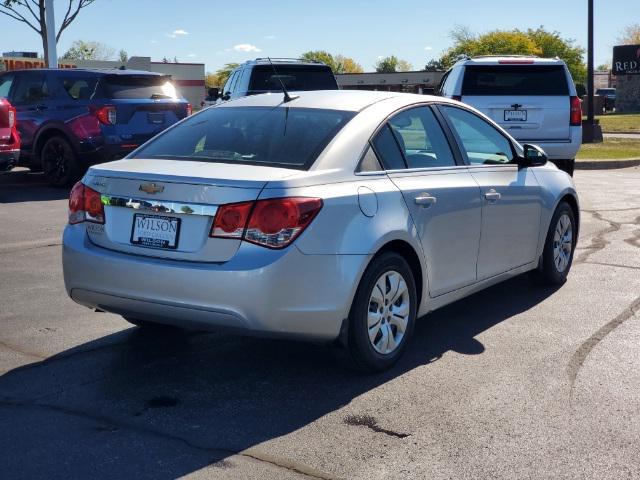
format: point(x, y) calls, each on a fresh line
point(226, 96)
point(534, 156)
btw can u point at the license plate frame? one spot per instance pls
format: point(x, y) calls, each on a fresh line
point(510, 115)
point(156, 118)
point(168, 243)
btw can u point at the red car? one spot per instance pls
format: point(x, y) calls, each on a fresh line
point(9, 138)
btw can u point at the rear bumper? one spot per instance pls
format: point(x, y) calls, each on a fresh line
point(268, 292)
point(560, 149)
point(8, 159)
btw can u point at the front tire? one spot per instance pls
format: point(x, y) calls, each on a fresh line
point(559, 246)
point(59, 162)
point(383, 313)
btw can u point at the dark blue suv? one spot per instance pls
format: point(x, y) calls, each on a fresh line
point(69, 119)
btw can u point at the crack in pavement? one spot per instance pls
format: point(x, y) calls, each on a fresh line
point(604, 264)
point(580, 355)
point(598, 242)
point(22, 351)
point(222, 453)
point(29, 245)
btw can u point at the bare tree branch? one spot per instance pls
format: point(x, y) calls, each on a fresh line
point(9, 12)
point(70, 17)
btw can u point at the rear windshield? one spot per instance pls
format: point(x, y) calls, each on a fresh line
point(272, 136)
point(294, 77)
point(515, 80)
point(139, 86)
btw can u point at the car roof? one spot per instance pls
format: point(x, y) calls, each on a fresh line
point(510, 60)
point(346, 100)
point(284, 61)
point(100, 71)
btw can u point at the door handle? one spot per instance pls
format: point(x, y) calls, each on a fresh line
point(492, 196)
point(425, 200)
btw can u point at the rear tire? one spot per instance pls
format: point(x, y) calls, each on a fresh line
point(383, 313)
point(59, 162)
point(559, 247)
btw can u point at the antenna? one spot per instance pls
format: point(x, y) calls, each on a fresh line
point(287, 97)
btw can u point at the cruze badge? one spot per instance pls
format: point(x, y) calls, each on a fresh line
point(151, 188)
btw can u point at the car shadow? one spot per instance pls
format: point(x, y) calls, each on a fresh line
point(158, 404)
point(23, 186)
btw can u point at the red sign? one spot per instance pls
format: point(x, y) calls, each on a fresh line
point(11, 63)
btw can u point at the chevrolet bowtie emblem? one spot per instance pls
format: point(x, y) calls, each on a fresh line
point(151, 188)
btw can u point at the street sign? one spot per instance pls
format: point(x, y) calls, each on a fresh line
point(626, 60)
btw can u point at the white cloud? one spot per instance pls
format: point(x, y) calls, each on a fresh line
point(246, 47)
point(180, 31)
point(428, 48)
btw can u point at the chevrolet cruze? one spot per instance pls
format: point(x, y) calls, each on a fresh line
point(327, 215)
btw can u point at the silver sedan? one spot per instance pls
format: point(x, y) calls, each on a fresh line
point(332, 216)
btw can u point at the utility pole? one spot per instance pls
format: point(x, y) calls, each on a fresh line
point(52, 55)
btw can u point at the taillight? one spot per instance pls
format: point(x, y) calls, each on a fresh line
point(12, 117)
point(106, 115)
point(272, 223)
point(85, 205)
point(575, 117)
point(189, 109)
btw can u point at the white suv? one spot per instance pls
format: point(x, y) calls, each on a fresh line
point(534, 99)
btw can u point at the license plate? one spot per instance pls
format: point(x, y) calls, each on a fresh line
point(515, 115)
point(155, 118)
point(155, 231)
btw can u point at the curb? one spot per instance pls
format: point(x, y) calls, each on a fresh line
point(606, 164)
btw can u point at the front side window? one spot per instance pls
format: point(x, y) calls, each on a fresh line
point(481, 142)
point(5, 85)
point(31, 89)
point(421, 138)
point(279, 137)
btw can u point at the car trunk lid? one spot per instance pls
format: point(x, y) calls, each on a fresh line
point(165, 208)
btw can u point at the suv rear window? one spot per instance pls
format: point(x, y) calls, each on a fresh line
point(139, 86)
point(515, 80)
point(294, 77)
point(280, 137)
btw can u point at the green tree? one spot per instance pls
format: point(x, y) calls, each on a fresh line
point(81, 50)
point(552, 45)
point(220, 76)
point(630, 35)
point(32, 14)
point(338, 63)
point(387, 64)
point(404, 66)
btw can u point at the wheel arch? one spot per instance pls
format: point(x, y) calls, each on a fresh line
point(572, 201)
point(48, 132)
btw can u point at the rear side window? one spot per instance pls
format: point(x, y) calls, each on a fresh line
point(280, 137)
point(515, 80)
point(139, 87)
point(294, 77)
point(421, 139)
point(386, 147)
point(81, 88)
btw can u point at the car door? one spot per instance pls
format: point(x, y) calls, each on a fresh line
point(510, 194)
point(442, 197)
point(31, 98)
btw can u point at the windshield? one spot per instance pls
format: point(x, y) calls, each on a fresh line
point(273, 136)
point(294, 77)
point(139, 86)
point(515, 80)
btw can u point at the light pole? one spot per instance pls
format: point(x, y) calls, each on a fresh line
point(52, 53)
point(591, 132)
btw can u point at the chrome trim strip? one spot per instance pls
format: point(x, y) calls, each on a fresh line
point(159, 206)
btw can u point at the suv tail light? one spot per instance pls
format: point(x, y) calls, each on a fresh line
point(575, 117)
point(7, 114)
point(106, 115)
point(85, 205)
point(12, 117)
point(271, 223)
point(189, 109)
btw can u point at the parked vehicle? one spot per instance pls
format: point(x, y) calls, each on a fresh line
point(332, 216)
point(71, 118)
point(9, 138)
point(264, 75)
point(609, 95)
point(534, 99)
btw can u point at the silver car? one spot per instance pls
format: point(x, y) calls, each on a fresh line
point(332, 216)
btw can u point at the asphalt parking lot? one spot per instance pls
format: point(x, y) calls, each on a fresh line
point(518, 381)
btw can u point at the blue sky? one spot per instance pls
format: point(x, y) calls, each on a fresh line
point(216, 33)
